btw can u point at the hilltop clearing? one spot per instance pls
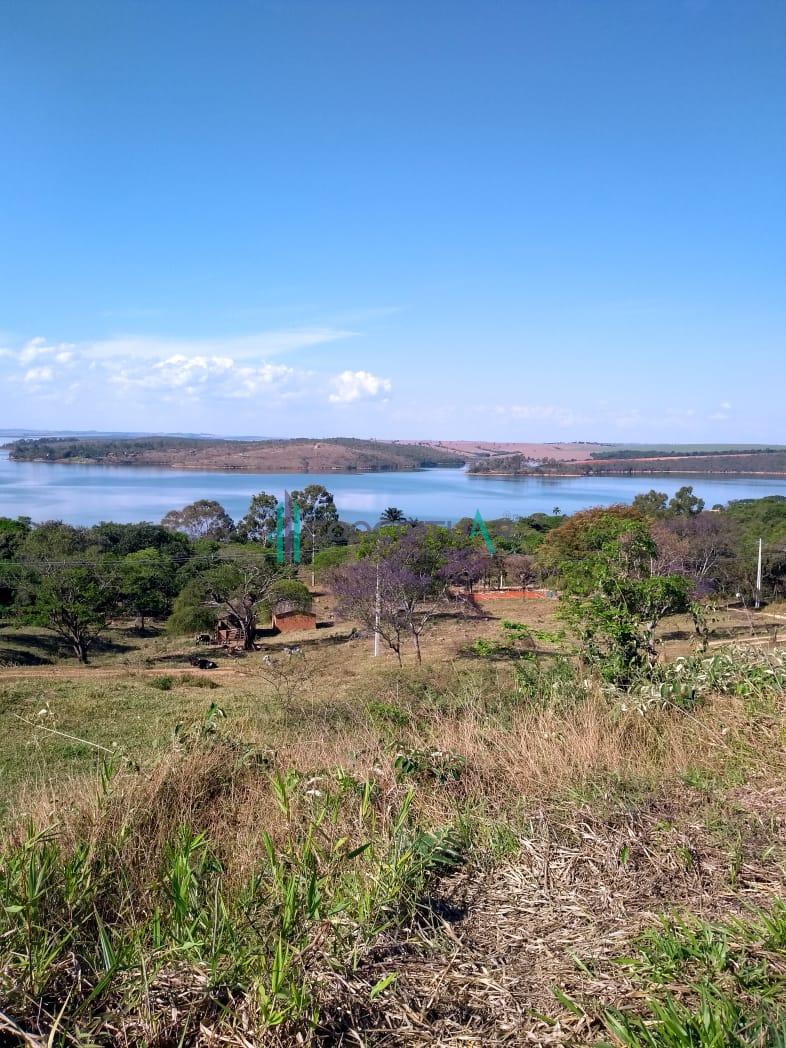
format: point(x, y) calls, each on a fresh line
point(626, 462)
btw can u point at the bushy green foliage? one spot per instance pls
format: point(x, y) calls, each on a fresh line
point(291, 591)
point(190, 614)
point(609, 598)
point(332, 557)
point(122, 539)
point(203, 519)
point(755, 519)
point(687, 680)
point(12, 536)
point(615, 624)
point(163, 682)
point(439, 765)
point(515, 534)
point(318, 519)
point(147, 583)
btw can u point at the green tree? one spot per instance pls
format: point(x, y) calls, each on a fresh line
point(76, 601)
point(392, 515)
point(684, 503)
point(259, 523)
point(318, 518)
point(147, 579)
point(608, 596)
point(234, 590)
point(291, 591)
point(652, 504)
point(53, 539)
point(190, 613)
point(12, 536)
point(122, 539)
point(751, 520)
point(332, 557)
point(204, 519)
point(615, 623)
point(582, 546)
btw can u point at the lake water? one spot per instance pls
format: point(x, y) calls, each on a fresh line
point(88, 494)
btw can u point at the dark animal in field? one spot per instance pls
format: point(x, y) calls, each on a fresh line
point(203, 638)
point(203, 664)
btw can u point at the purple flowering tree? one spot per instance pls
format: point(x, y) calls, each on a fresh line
point(399, 589)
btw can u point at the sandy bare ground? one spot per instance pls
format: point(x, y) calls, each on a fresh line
point(92, 673)
point(569, 451)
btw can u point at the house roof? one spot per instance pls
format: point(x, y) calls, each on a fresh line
point(289, 607)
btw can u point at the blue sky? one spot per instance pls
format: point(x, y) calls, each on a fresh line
point(499, 219)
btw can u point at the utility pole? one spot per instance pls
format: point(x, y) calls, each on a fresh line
point(376, 613)
point(757, 603)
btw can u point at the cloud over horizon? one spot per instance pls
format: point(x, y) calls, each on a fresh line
point(190, 371)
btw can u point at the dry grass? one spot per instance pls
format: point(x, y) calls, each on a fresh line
point(579, 821)
point(526, 952)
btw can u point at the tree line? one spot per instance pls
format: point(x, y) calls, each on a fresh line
point(618, 570)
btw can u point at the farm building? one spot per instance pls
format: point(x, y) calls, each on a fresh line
point(227, 634)
point(289, 616)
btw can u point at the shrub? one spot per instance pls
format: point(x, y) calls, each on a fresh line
point(162, 683)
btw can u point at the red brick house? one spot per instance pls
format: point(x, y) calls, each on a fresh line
point(289, 616)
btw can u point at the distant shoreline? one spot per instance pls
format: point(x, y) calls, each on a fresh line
point(189, 468)
point(632, 473)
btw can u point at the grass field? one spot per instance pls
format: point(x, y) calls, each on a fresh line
point(325, 848)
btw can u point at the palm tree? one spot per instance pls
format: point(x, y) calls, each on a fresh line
point(392, 515)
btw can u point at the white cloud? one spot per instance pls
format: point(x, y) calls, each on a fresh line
point(203, 370)
point(38, 347)
point(350, 386)
point(209, 376)
point(722, 414)
point(35, 376)
point(286, 381)
point(535, 412)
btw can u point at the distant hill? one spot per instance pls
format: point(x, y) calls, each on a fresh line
point(297, 455)
point(654, 461)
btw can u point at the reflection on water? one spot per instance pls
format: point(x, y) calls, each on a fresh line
point(87, 494)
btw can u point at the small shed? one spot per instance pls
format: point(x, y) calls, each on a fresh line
point(289, 616)
point(227, 634)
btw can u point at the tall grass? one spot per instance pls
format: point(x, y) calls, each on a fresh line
point(129, 903)
point(227, 887)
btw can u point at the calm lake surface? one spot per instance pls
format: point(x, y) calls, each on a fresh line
point(88, 494)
